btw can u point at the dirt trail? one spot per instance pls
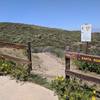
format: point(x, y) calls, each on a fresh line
point(43, 63)
point(50, 65)
point(11, 90)
point(46, 63)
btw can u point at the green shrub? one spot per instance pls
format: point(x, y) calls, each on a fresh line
point(71, 88)
point(19, 72)
point(15, 70)
point(6, 67)
point(87, 66)
point(38, 80)
point(58, 52)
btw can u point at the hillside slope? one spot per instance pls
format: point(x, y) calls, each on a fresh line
point(41, 36)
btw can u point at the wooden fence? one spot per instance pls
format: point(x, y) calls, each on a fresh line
point(81, 57)
point(18, 46)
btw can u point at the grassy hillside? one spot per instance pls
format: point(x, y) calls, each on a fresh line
point(42, 36)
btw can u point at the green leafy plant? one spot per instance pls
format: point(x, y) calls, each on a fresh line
point(6, 67)
point(15, 70)
point(86, 66)
point(71, 88)
point(35, 78)
point(19, 72)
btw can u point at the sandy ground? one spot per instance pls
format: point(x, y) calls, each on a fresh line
point(12, 90)
point(49, 65)
point(45, 64)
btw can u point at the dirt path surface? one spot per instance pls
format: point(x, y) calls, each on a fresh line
point(49, 65)
point(11, 90)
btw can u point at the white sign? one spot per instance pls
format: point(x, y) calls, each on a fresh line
point(86, 30)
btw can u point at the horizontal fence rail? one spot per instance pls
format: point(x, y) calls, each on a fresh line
point(80, 57)
point(82, 76)
point(12, 45)
point(83, 57)
point(3, 57)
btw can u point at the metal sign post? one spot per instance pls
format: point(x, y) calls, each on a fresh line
point(86, 30)
point(87, 45)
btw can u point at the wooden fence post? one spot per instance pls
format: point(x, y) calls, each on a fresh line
point(67, 98)
point(67, 63)
point(29, 57)
point(67, 67)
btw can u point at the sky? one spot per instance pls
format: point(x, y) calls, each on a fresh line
point(63, 14)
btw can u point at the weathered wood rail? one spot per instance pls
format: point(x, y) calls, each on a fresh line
point(7, 57)
point(12, 45)
point(84, 57)
point(18, 46)
point(81, 57)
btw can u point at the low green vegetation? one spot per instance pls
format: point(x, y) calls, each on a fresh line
point(58, 52)
point(72, 88)
point(39, 36)
point(15, 70)
point(20, 73)
point(52, 40)
point(35, 78)
point(42, 37)
point(87, 66)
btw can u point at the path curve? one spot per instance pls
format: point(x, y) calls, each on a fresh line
point(12, 90)
point(51, 65)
